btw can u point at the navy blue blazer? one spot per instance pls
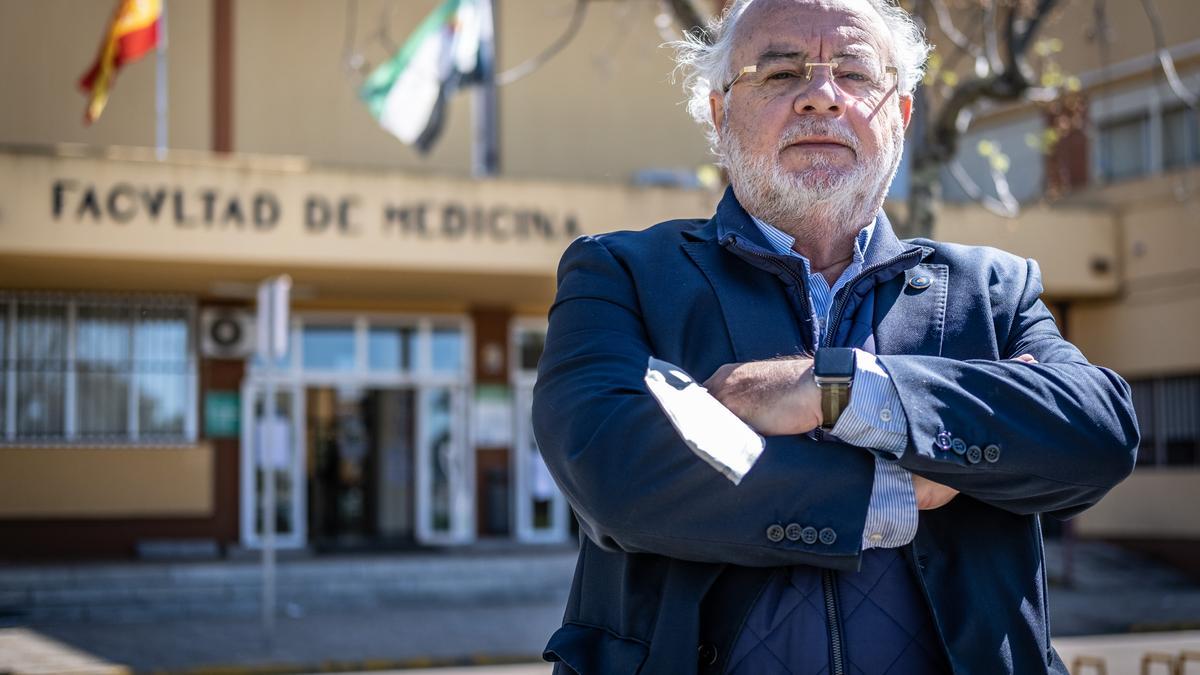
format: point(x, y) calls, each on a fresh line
point(660, 527)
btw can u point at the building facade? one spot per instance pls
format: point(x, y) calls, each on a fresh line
point(132, 407)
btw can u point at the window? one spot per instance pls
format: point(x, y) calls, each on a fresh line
point(392, 349)
point(1124, 149)
point(1181, 138)
point(328, 347)
point(448, 349)
point(94, 369)
point(1168, 410)
point(385, 348)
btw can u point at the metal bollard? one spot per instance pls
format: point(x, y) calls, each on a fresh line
point(1151, 658)
point(1081, 662)
point(1186, 656)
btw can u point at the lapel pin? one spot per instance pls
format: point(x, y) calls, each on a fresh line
point(920, 282)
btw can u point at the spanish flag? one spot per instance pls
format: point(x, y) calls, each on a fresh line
point(132, 32)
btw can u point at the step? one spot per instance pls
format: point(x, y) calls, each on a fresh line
point(137, 591)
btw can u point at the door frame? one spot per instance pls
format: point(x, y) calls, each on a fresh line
point(421, 380)
point(522, 382)
point(252, 389)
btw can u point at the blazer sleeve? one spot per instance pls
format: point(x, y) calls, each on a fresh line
point(1051, 437)
point(634, 484)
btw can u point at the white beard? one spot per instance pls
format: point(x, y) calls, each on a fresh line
point(820, 202)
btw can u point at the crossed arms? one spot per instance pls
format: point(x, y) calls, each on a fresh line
point(1066, 429)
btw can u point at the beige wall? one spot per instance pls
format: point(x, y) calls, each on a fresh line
point(45, 47)
point(1040, 233)
point(80, 250)
point(1150, 326)
point(1150, 504)
point(29, 226)
point(1130, 31)
point(106, 482)
point(600, 110)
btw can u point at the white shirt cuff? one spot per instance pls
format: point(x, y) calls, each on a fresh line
point(874, 419)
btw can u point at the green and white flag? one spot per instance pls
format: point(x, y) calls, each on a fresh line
point(408, 93)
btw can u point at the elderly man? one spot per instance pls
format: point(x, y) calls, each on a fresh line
point(919, 405)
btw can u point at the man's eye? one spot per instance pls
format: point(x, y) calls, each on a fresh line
point(783, 75)
point(856, 77)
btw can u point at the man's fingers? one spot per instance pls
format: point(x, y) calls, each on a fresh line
point(931, 495)
point(1025, 358)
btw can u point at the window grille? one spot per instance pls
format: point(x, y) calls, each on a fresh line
point(1180, 138)
point(1168, 410)
point(97, 369)
point(1124, 149)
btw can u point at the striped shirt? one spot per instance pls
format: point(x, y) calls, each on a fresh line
point(874, 419)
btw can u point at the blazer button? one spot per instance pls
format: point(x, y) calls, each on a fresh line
point(775, 533)
point(920, 283)
point(809, 535)
point(828, 536)
point(974, 454)
point(959, 446)
point(992, 453)
point(793, 532)
point(943, 440)
point(707, 653)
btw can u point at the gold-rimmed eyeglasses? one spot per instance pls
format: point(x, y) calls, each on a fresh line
point(856, 78)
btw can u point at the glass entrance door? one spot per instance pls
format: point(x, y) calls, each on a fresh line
point(272, 436)
point(361, 456)
point(541, 513)
point(445, 470)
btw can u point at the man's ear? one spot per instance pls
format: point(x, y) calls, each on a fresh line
point(906, 107)
point(716, 108)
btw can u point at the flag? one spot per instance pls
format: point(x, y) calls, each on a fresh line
point(407, 94)
point(132, 31)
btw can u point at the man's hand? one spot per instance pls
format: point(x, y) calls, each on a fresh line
point(931, 495)
point(776, 398)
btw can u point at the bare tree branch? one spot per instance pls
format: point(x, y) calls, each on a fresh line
point(946, 24)
point(1165, 59)
point(528, 67)
point(686, 16)
point(988, 25)
point(1044, 8)
point(1009, 80)
point(1005, 207)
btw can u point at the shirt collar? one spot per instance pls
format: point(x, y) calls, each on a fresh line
point(782, 242)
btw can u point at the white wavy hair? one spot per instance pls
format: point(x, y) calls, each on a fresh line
point(705, 62)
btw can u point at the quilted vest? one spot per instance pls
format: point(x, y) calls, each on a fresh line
point(879, 613)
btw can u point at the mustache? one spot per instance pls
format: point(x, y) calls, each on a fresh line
point(808, 128)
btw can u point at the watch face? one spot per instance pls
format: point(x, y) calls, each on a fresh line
point(834, 362)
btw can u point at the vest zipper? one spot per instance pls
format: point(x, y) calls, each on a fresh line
point(837, 650)
point(780, 262)
point(837, 647)
point(840, 307)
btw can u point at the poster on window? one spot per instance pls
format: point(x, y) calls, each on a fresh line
point(274, 442)
point(493, 417)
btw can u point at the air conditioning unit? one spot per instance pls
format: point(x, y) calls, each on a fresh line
point(226, 333)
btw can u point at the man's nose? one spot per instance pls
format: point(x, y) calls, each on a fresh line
point(820, 96)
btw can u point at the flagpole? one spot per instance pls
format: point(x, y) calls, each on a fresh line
point(160, 90)
point(486, 151)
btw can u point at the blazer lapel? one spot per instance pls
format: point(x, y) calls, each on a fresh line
point(758, 314)
point(910, 311)
point(754, 304)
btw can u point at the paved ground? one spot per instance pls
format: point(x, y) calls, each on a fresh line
point(1113, 592)
point(406, 637)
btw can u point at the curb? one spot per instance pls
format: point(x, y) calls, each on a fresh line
point(368, 665)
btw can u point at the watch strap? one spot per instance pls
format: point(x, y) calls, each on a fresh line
point(835, 397)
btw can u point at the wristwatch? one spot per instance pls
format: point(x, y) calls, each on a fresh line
point(833, 369)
